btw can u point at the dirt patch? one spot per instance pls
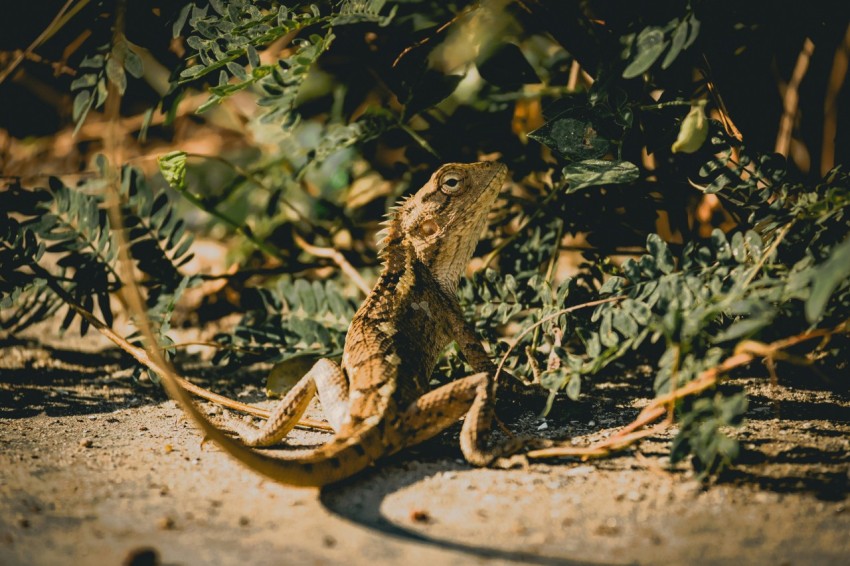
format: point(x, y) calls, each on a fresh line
point(95, 468)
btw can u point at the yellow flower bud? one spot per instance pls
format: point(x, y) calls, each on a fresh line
point(693, 131)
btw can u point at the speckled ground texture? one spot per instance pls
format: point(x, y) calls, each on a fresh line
point(97, 469)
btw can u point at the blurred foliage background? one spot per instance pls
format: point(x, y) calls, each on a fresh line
point(681, 160)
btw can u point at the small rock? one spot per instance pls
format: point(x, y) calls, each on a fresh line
point(608, 528)
point(142, 556)
point(763, 497)
point(635, 496)
point(420, 516)
point(580, 471)
point(165, 523)
point(244, 521)
point(86, 442)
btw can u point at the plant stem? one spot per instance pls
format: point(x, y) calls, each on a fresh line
point(254, 179)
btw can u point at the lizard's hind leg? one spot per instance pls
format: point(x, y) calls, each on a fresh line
point(472, 396)
point(326, 378)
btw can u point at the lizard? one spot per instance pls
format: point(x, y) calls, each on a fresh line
point(377, 400)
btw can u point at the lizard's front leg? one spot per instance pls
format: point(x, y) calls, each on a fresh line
point(474, 396)
point(326, 378)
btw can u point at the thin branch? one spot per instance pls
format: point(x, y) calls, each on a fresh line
point(438, 31)
point(504, 243)
point(254, 179)
point(720, 105)
point(240, 228)
point(792, 98)
point(54, 24)
point(830, 103)
point(546, 319)
point(141, 356)
point(746, 352)
point(338, 259)
point(764, 257)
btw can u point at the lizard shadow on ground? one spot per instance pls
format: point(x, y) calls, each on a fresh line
point(360, 500)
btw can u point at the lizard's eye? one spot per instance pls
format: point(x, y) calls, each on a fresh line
point(450, 183)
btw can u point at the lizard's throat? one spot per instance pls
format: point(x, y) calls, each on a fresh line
point(454, 256)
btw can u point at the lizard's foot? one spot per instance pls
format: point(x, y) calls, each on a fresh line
point(510, 462)
point(519, 458)
point(242, 429)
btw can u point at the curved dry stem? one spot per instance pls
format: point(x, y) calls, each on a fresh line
point(339, 259)
point(631, 433)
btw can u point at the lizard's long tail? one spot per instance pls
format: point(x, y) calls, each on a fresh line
point(340, 458)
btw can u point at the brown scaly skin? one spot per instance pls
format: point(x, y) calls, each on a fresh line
point(378, 400)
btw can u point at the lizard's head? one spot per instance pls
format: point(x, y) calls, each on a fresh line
point(442, 222)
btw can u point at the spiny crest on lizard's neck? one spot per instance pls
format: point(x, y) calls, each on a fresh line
point(440, 224)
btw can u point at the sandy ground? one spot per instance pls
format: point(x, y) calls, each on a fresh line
point(95, 469)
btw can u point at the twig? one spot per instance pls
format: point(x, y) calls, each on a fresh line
point(254, 179)
point(423, 143)
point(439, 30)
point(728, 124)
point(547, 318)
point(141, 356)
point(830, 103)
point(667, 104)
point(241, 228)
point(792, 98)
point(338, 259)
point(43, 36)
point(504, 243)
point(775, 244)
point(59, 67)
point(630, 433)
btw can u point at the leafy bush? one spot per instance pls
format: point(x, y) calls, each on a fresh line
point(615, 128)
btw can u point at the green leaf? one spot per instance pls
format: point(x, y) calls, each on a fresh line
point(253, 57)
point(660, 252)
point(84, 81)
point(679, 37)
point(177, 28)
point(133, 64)
point(573, 136)
point(288, 372)
point(694, 31)
point(506, 67)
point(574, 387)
point(116, 75)
point(192, 71)
point(431, 88)
point(596, 172)
point(828, 276)
point(237, 70)
point(650, 46)
point(92, 62)
point(82, 103)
